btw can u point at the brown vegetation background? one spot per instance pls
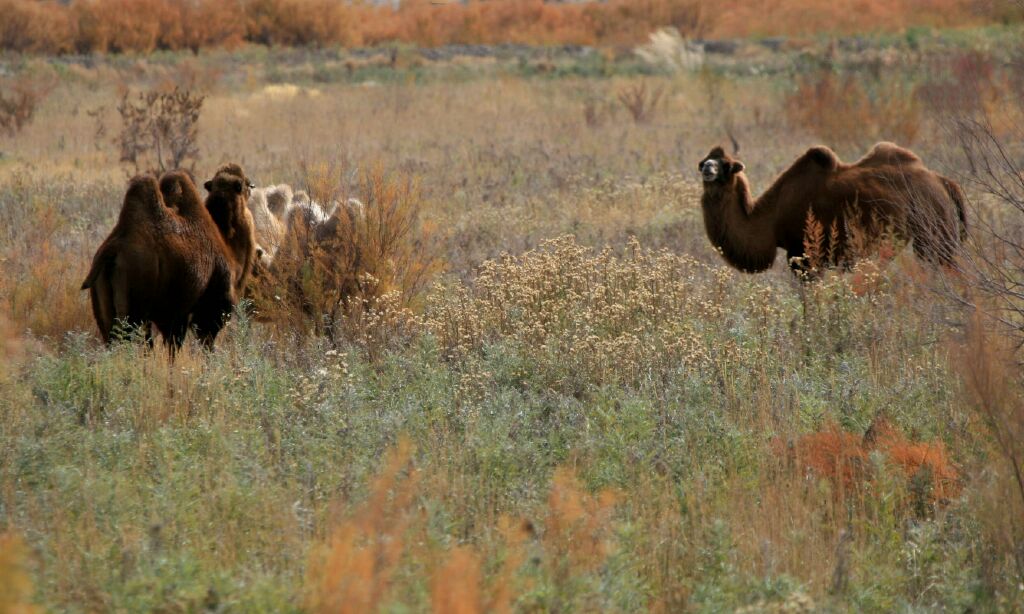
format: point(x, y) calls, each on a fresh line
point(142, 26)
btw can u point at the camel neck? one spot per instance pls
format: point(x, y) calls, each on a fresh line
point(744, 229)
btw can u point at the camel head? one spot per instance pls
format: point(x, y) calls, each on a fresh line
point(229, 192)
point(718, 167)
point(227, 202)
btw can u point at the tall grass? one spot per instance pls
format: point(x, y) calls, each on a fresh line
point(569, 420)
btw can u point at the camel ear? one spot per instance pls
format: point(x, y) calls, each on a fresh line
point(209, 186)
point(737, 167)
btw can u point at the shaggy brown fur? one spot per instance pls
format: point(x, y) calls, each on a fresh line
point(888, 187)
point(227, 203)
point(165, 262)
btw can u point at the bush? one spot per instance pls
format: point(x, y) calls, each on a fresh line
point(19, 98)
point(143, 25)
point(847, 110)
point(355, 275)
point(159, 131)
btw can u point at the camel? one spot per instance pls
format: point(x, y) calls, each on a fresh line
point(166, 264)
point(276, 211)
point(889, 187)
point(228, 194)
point(269, 229)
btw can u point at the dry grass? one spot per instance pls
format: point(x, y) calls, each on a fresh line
point(359, 567)
point(15, 581)
point(20, 97)
point(990, 370)
point(585, 423)
point(852, 111)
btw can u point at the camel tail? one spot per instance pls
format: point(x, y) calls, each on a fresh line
point(99, 265)
point(957, 194)
point(101, 291)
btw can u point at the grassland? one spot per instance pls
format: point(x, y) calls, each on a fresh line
point(586, 410)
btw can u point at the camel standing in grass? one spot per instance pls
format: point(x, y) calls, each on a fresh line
point(227, 204)
point(168, 264)
point(889, 188)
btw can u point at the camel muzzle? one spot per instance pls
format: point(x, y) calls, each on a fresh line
point(709, 171)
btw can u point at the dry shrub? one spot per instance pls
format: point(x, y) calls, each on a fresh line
point(843, 458)
point(144, 25)
point(847, 111)
point(990, 367)
point(120, 26)
point(353, 570)
point(20, 97)
point(159, 131)
point(850, 245)
point(30, 26)
point(15, 582)
point(669, 49)
point(585, 315)
point(358, 567)
point(520, 21)
point(631, 21)
point(358, 274)
point(456, 584)
point(965, 84)
point(804, 17)
point(534, 22)
point(818, 249)
point(10, 344)
point(640, 101)
point(202, 25)
point(39, 291)
point(577, 526)
point(301, 22)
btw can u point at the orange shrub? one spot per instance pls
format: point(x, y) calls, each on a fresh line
point(143, 25)
point(846, 110)
point(300, 22)
point(206, 24)
point(358, 566)
point(842, 458)
point(802, 17)
point(122, 25)
point(37, 27)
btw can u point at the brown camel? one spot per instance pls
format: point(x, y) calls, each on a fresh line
point(888, 188)
point(227, 203)
point(165, 263)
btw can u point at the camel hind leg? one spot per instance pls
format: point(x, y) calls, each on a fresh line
point(101, 292)
point(128, 319)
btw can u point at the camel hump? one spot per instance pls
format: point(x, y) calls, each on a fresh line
point(142, 202)
point(820, 156)
point(886, 153)
point(179, 192)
